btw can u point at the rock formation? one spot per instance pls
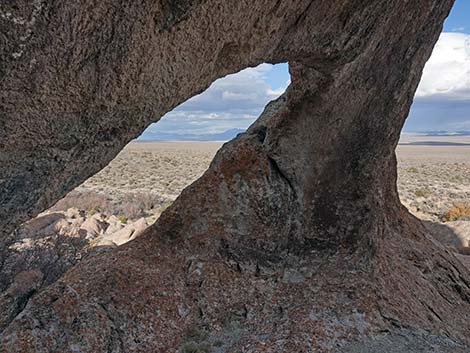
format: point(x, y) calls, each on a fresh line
point(294, 240)
point(43, 249)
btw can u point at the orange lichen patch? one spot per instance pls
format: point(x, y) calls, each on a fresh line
point(457, 211)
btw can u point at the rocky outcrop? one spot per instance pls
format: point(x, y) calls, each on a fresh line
point(294, 240)
point(40, 251)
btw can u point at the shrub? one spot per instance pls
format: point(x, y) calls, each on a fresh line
point(423, 192)
point(135, 205)
point(457, 211)
point(165, 205)
point(148, 201)
point(131, 210)
point(412, 170)
point(123, 219)
point(132, 206)
point(456, 179)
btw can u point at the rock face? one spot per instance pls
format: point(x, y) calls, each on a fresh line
point(294, 240)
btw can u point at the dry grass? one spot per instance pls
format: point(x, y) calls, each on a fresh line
point(459, 210)
point(85, 200)
point(423, 192)
point(129, 206)
point(145, 178)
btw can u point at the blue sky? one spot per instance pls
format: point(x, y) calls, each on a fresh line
point(459, 18)
point(442, 101)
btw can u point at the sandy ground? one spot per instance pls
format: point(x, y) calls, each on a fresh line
point(160, 169)
point(146, 177)
point(433, 177)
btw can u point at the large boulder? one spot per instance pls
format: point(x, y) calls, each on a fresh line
point(114, 225)
point(94, 226)
point(42, 225)
point(81, 79)
point(294, 240)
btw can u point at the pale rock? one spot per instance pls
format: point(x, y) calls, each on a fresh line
point(115, 225)
point(42, 223)
point(93, 227)
point(74, 213)
point(128, 233)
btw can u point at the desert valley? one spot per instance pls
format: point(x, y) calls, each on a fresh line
point(119, 202)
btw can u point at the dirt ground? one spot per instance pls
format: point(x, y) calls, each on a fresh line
point(433, 178)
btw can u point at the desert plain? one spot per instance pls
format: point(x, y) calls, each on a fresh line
point(431, 177)
point(120, 201)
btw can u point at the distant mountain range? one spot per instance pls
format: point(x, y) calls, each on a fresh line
point(230, 134)
point(435, 143)
point(441, 133)
point(168, 136)
point(436, 138)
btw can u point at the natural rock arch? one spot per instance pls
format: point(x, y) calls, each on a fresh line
point(294, 240)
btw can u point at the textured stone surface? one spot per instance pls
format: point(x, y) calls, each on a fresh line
point(294, 240)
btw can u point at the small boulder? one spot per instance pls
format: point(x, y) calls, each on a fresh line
point(93, 227)
point(461, 230)
point(75, 213)
point(63, 227)
point(115, 225)
point(128, 233)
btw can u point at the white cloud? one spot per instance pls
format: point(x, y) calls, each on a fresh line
point(201, 123)
point(245, 91)
point(442, 100)
point(234, 101)
point(446, 75)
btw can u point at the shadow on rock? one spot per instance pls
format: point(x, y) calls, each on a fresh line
point(454, 235)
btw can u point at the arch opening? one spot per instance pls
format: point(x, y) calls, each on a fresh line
point(121, 201)
point(266, 240)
